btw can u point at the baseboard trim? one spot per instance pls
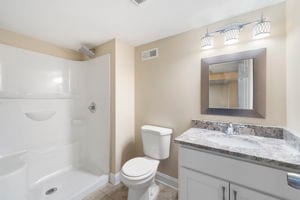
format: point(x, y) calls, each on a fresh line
point(167, 180)
point(160, 177)
point(114, 178)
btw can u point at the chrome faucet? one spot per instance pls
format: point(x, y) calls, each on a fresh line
point(230, 130)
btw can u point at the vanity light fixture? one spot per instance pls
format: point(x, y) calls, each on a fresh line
point(231, 32)
point(207, 41)
point(262, 29)
point(232, 36)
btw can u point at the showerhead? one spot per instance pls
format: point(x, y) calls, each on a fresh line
point(86, 51)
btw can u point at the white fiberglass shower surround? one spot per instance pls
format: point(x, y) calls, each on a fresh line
point(51, 145)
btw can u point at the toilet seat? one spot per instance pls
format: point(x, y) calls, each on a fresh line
point(139, 168)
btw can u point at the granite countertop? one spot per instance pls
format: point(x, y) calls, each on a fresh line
point(273, 152)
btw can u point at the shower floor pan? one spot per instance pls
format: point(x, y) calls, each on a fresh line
point(72, 184)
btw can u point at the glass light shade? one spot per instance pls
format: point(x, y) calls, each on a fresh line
point(207, 42)
point(231, 36)
point(262, 29)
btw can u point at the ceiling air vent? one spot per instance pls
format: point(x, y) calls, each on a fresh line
point(138, 2)
point(150, 54)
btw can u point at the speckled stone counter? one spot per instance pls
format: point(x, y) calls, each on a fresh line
point(271, 146)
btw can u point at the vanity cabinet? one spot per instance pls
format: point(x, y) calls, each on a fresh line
point(197, 186)
point(209, 176)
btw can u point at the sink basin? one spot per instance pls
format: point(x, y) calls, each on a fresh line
point(232, 141)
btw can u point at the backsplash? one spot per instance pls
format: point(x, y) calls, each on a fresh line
point(243, 129)
point(291, 139)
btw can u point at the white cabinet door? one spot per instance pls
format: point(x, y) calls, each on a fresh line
point(241, 193)
point(197, 186)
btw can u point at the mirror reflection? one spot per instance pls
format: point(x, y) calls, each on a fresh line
point(231, 85)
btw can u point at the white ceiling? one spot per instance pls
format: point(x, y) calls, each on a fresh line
point(70, 23)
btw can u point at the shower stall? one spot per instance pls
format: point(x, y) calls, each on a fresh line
point(55, 125)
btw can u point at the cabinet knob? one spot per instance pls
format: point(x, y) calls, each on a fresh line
point(293, 180)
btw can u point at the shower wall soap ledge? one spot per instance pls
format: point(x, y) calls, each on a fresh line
point(40, 115)
point(16, 95)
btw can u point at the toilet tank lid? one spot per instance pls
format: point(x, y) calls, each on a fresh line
point(157, 129)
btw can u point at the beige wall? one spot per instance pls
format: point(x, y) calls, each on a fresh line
point(122, 101)
point(32, 44)
point(124, 93)
point(293, 64)
point(168, 88)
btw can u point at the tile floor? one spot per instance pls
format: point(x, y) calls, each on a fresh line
point(119, 192)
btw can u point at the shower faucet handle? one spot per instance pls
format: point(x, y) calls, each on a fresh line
point(92, 107)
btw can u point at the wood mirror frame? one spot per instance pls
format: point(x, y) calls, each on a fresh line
point(259, 84)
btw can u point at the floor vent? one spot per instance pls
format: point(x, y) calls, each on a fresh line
point(149, 54)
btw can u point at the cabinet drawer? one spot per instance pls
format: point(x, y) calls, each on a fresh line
point(261, 178)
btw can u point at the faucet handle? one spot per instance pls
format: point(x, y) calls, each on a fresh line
point(230, 129)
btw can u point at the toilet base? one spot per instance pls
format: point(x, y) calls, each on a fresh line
point(147, 193)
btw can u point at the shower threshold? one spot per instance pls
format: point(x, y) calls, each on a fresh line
point(73, 184)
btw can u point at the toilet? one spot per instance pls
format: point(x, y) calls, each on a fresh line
point(138, 173)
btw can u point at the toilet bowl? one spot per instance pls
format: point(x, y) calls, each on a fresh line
point(138, 173)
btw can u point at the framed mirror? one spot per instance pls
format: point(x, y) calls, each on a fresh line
point(234, 84)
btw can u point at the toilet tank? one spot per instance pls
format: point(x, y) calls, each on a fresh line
point(156, 141)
